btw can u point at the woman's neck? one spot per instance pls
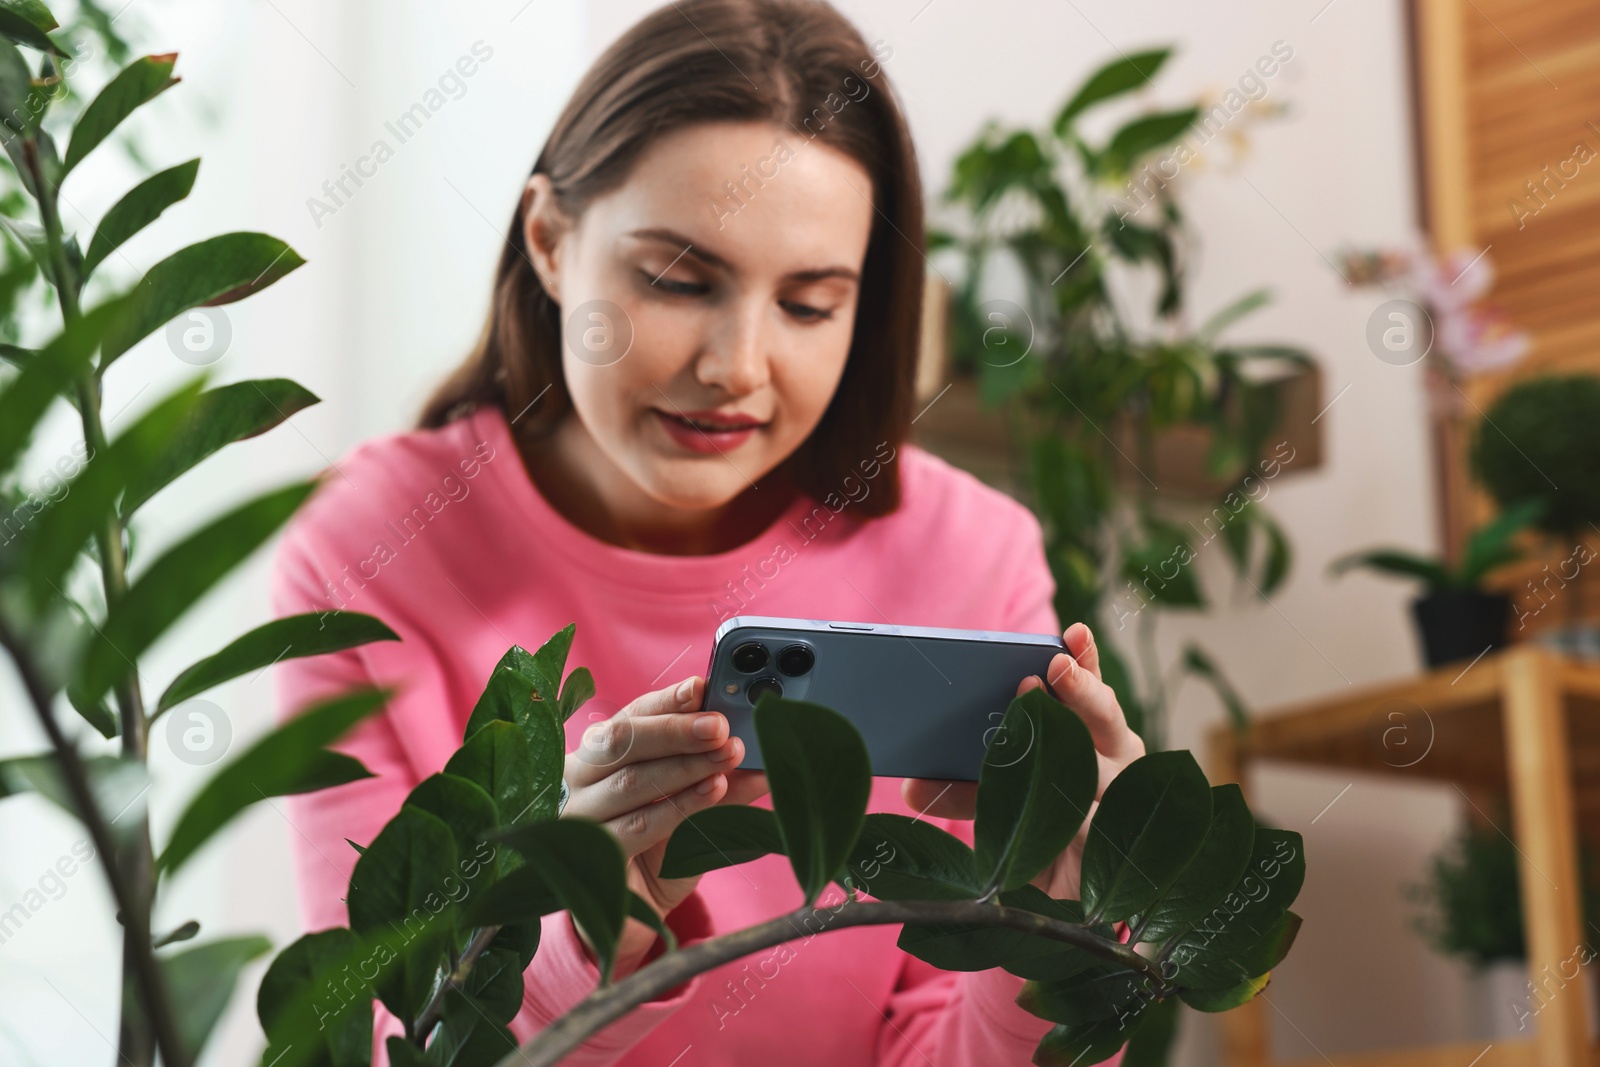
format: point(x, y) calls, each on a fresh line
point(581, 482)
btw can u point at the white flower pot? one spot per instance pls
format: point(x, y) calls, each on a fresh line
point(1502, 1003)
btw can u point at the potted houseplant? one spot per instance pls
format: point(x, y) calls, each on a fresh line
point(1539, 440)
point(1472, 911)
point(1456, 617)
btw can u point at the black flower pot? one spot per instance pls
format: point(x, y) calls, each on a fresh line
point(1458, 624)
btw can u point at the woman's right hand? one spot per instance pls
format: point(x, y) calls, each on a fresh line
point(642, 772)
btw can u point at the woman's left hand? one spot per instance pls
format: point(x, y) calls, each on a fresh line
point(1076, 682)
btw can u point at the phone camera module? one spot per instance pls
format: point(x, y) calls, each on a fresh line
point(764, 685)
point(750, 657)
point(796, 660)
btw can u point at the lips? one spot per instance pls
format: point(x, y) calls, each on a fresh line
point(713, 421)
point(707, 432)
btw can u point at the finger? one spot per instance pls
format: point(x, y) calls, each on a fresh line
point(1080, 641)
point(639, 829)
point(940, 798)
point(634, 784)
point(612, 743)
point(1096, 705)
point(745, 786)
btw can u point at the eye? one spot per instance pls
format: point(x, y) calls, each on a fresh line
point(678, 288)
point(805, 312)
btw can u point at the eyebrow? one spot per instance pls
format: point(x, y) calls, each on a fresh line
point(711, 259)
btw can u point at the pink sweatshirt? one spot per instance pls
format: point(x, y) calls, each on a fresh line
point(443, 535)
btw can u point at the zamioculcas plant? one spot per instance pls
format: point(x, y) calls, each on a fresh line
point(89, 652)
point(1205, 891)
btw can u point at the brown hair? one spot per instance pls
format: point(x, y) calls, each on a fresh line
point(794, 63)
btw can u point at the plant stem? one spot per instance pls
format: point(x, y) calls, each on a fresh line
point(147, 975)
point(606, 1005)
point(138, 1037)
point(459, 973)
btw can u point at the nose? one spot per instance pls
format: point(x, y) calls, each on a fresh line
point(736, 360)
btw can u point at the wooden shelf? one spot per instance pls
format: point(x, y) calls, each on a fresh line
point(1523, 722)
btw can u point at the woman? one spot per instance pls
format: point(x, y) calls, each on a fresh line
point(690, 401)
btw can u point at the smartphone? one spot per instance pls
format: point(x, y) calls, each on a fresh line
point(926, 699)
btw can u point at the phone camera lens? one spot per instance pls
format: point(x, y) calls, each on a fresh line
point(796, 660)
point(750, 657)
point(764, 685)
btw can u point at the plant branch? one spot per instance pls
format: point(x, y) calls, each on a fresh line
point(136, 859)
point(606, 1005)
point(136, 922)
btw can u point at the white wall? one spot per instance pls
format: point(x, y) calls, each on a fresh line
point(279, 96)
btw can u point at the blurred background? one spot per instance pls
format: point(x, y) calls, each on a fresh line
point(1335, 234)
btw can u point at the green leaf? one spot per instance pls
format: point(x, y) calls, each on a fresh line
point(1034, 789)
point(583, 865)
point(1208, 333)
point(116, 784)
point(289, 760)
point(1215, 869)
point(901, 858)
point(1196, 662)
point(24, 21)
point(200, 981)
point(136, 85)
point(181, 576)
point(509, 690)
point(640, 909)
point(1255, 959)
point(1153, 1039)
point(1490, 545)
point(1152, 820)
point(722, 835)
point(472, 1029)
point(980, 947)
point(1225, 999)
point(549, 662)
point(1276, 566)
point(1208, 952)
point(28, 395)
point(1391, 561)
point(305, 1025)
point(222, 416)
point(141, 206)
point(1160, 566)
point(1090, 1043)
point(461, 805)
point(520, 895)
point(220, 270)
point(33, 12)
point(821, 777)
point(292, 637)
point(95, 713)
point(1106, 992)
point(1119, 76)
point(400, 888)
point(187, 932)
point(499, 760)
point(90, 502)
point(1143, 135)
point(576, 691)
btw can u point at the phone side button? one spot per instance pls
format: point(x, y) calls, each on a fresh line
point(849, 626)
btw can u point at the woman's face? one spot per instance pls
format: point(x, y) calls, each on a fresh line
point(686, 311)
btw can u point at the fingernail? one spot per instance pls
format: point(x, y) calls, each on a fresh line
point(706, 726)
point(684, 690)
point(708, 785)
point(726, 752)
